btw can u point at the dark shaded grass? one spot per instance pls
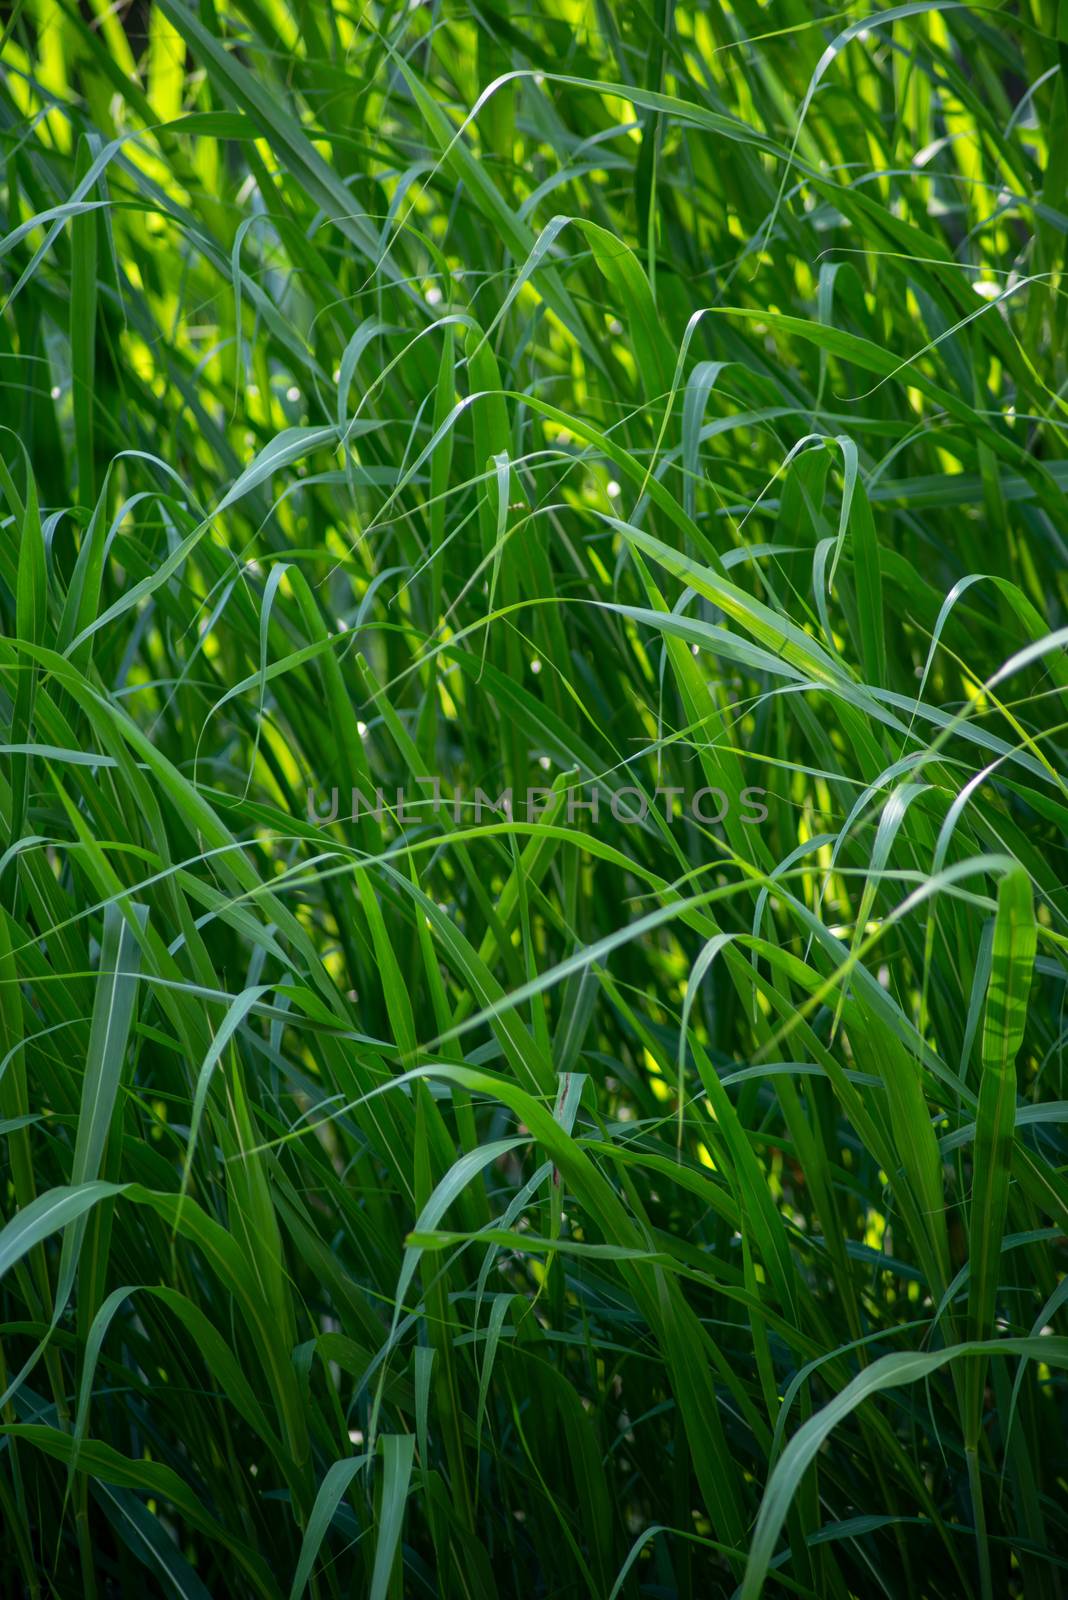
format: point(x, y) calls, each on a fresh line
point(463, 1201)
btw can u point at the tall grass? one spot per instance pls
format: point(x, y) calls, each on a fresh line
point(617, 399)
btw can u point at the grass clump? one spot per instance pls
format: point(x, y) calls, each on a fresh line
point(654, 1185)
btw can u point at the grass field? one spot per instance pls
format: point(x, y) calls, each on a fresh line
point(533, 809)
